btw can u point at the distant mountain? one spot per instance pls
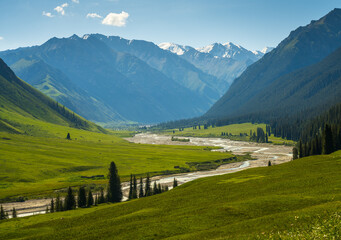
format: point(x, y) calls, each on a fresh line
point(182, 72)
point(18, 100)
point(281, 81)
point(224, 61)
point(58, 86)
point(116, 81)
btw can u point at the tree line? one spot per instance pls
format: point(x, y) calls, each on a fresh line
point(85, 198)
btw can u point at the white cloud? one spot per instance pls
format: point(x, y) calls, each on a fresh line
point(60, 9)
point(93, 15)
point(116, 19)
point(1, 38)
point(75, 1)
point(47, 14)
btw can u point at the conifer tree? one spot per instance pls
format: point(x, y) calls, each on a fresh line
point(52, 206)
point(269, 163)
point(134, 195)
point(2, 213)
point(14, 213)
point(147, 191)
point(47, 209)
point(327, 140)
point(114, 187)
point(175, 183)
point(159, 188)
point(130, 196)
point(68, 137)
point(70, 202)
point(294, 153)
point(90, 199)
point(81, 197)
point(59, 204)
point(101, 198)
point(155, 189)
point(141, 194)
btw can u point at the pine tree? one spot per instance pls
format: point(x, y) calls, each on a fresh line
point(131, 187)
point(155, 189)
point(52, 206)
point(134, 195)
point(327, 140)
point(114, 186)
point(300, 149)
point(175, 183)
point(269, 163)
point(14, 213)
point(81, 197)
point(47, 209)
point(2, 213)
point(141, 194)
point(70, 202)
point(90, 199)
point(101, 197)
point(159, 188)
point(294, 153)
point(147, 191)
point(68, 137)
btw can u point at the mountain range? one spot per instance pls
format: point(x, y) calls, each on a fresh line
point(303, 72)
point(108, 79)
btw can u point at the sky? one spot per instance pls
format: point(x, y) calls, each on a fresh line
point(252, 24)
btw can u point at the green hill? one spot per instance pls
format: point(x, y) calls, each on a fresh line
point(270, 202)
point(21, 105)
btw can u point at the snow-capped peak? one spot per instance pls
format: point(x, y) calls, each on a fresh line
point(266, 50)
point(174, 48)
point(86, 36)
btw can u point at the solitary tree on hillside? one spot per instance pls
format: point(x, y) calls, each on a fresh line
point(141, 194)
point(114, 186)
point(70, 202)
point(68, 137)
point(81, 197)
point(269, 163)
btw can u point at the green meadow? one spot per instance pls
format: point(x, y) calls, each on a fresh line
point(261, 203)
point(234, 129)
point(34, 165)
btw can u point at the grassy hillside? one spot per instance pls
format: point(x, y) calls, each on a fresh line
point(20, 103)
point(259, 203)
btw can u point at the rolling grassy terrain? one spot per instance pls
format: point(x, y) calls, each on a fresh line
point(258, 203)
point(35, 165)
point(234, 129)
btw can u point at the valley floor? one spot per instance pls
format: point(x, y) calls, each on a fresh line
point(261, 153)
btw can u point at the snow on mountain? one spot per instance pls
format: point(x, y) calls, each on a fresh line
point(174, 48)
point(229, 50)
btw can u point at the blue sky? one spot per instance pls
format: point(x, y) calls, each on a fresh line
point(253, 24)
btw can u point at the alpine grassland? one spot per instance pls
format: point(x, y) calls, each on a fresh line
point(258, 203)
point(32, 165)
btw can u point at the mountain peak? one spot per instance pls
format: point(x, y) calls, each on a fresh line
point(174, 48)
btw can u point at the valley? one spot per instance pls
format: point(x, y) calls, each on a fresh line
point(161, 120)
point(260, 154)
